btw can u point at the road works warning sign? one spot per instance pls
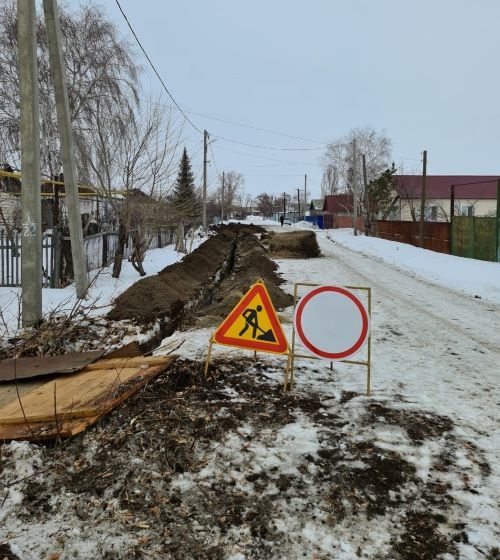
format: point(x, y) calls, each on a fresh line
point(253, 324)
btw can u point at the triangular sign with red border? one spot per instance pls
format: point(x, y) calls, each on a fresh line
point(253, 324)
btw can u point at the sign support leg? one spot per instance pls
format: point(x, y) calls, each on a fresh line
point(369, 361)
point(287, 370)
point(209, 355)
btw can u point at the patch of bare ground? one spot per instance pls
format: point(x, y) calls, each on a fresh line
point(162, 469)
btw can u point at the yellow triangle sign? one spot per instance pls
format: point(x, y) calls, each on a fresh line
point(253, 324)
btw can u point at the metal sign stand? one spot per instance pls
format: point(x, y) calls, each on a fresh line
point(289, 369)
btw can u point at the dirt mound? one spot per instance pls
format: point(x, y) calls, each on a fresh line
point(165, 294)
point(212, 279)
point(293, 244)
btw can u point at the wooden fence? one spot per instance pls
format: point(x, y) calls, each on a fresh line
point(436, 234)
point(466, 236)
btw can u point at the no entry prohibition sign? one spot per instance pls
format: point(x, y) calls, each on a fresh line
point(331, 322)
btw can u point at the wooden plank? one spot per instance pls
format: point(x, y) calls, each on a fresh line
point(99, 400)
point(70, 392)
point(107, 363)
point(49, 429)
point(45, 430)
point(98, 391)
point(8, 391)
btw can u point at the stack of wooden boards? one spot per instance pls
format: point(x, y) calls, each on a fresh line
point(63, 404)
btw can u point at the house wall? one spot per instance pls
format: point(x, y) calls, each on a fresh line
point(11, 208)
point(442, 212)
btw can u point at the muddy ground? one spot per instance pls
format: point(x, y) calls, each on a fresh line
point(178, 470)
point(196, 468)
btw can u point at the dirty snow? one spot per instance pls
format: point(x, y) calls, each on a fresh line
point(435, 356)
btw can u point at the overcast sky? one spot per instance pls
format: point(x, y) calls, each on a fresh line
point(424, 71)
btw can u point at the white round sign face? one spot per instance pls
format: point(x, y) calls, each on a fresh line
point(331, 322)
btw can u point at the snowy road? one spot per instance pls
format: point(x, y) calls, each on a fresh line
point(432, 346)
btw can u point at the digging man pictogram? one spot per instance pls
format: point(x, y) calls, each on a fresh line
point(251, 320)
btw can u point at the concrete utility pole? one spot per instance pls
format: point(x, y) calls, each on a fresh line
point(204, 196)
point(67, 148)
point(284, 204)
point(31, 238)
point(222, 196)
point(422, 201)
point(298, 201)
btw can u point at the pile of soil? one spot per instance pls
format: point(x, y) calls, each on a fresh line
point(212, 279)
point(293, 244)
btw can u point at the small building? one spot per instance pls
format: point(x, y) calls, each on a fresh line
point(338, 212)
point(316, 206)
point(474, 195)
point(94, 206)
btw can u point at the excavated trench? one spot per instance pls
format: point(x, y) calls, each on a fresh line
point(202, 289)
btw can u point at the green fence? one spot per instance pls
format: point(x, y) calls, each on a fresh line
point(475, 238)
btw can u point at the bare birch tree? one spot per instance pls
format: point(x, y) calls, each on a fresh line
point(233, 187)
point(343, 160)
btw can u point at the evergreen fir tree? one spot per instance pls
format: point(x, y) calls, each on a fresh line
point(184, 196)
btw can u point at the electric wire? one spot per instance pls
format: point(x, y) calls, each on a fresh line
point(264, 147)
point(267, 158)
point(154, 69)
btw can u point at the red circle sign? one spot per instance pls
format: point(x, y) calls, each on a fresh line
point(331, 322)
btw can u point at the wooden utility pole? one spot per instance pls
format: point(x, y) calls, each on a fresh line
point(222, 196)
point(452, 216)
point(354, 187)
point(67, 148)
point(452, 203)
point(498, 220)
point(31, 237)
point(305, 194)
point(422, 201)
point(368, 223)
point(204, 195)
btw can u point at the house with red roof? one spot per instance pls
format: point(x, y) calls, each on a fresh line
point(474, 195)
point(338, 211)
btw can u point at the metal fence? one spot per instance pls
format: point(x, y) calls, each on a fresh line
point(10, 259)
point(99, 251)
point(467, 236)
point(475, 238)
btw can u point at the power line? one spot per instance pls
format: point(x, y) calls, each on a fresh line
point(257, 128)
point(264, 147)
point(251, 127)
point(267, 158)
point(213, 158)
point(155, 71)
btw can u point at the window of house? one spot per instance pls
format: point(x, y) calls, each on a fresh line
point(467, 210)
point(431, 213)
